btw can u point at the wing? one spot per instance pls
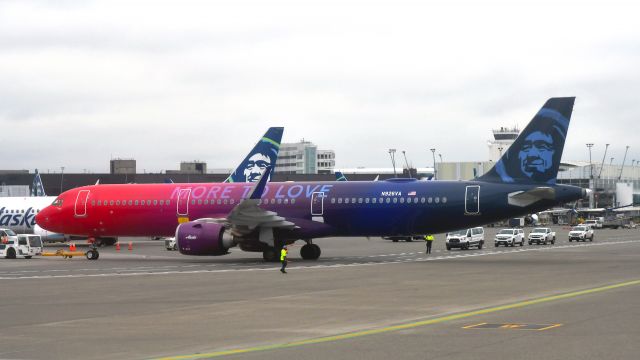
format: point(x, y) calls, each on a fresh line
point(526, 198)
point(248, 216)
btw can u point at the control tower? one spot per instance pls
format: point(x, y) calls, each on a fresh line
point(502, 139)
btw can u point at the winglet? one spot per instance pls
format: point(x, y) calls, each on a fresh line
point(263, 155)
point(37, 189)
point(258, 190)
point(340, 176)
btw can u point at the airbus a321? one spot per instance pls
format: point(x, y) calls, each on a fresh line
point(209, 219)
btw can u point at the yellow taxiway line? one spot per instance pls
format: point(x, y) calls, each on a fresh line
point(411, 325)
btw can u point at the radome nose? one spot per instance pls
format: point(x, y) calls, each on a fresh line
point(42, 218)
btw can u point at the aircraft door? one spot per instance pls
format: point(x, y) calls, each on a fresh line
point(317, 203)
point(183, 202)
point(81, 203)
point(472, 200)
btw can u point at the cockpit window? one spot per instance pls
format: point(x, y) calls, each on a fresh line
point(57, 202)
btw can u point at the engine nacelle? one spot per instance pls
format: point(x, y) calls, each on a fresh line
point(200, 238)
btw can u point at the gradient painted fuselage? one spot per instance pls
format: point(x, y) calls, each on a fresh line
point(319, 209)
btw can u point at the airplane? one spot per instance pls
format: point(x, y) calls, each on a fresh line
point(209, 219)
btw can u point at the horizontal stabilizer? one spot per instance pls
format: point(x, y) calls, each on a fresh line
point(526, 198)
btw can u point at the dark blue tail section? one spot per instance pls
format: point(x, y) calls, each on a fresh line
point(535, 155)
point(263, 156)
point(340, 176)
point(37, 189)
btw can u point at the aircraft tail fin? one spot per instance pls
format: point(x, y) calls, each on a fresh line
point(261, 157)
point(535, 155)
point(340, 176)
point(37, 189)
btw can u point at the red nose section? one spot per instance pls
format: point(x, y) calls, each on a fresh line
point(42, 218)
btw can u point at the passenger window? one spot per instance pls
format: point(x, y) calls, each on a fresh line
point(333, 200)
point(444, 199)
point(286, 200)
point(380, 200)
point(199, 202)
point(359, 200)
point(148, 202)
point(93, 202)
point(155, 202)
point(293, 201)
point(374, 200)
point(395, 200)
point(388, 200)
point(220, 201)
point(22, 241)
point(117, 202)
point(353, 200)
point(401, 200)
point(226, 201)
point(346, 200)
point(437, 200)
point(193, 202)
point(162, 202)
point(422, 200)
point(430, 200)
point(366, 200)
point(415, 200)
point(232, 201)
point(168, 202)
point(273, 201)
point(135, 203)
point(279, 201)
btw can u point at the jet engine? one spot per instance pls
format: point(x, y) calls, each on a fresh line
point(200, 238)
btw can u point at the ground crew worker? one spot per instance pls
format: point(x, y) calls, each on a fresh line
point(429, 239)
point(283, 259)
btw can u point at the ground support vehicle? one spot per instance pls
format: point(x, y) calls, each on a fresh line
point(25, 245)
point(581, 233)
point(466, 238)
point(509, 237)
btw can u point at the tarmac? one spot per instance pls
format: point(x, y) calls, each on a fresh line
point(363, 299)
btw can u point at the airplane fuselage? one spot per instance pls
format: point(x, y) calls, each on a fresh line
point(319, 209)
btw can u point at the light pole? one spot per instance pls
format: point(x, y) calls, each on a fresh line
point(392, 153)
point(407, 163)
point(61, 178)
point(623, 160)
point(590, 145)
point(435, 172)
point(440, 155)
point(603, 157)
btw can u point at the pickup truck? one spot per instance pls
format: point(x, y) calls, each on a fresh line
point(581, 233)
point(594, 223)
point(542, 236)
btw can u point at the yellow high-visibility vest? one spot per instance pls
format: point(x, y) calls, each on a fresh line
point(283, 254)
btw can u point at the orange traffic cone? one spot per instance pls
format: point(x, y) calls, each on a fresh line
point(72, 247)
point(130, 246)
point(118, 246)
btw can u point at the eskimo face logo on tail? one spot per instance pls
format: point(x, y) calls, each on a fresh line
point(261, 157)
point(537, 155)
point(256, 166)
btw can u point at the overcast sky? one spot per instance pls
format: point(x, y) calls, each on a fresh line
point(166, 81)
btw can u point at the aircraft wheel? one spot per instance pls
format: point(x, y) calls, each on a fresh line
point(270, 255)
point(480, 245)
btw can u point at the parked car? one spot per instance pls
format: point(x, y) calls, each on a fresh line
point(594, 223)
point(581, 233)
point(509, 237)
point(542, 236)
point(466, 238)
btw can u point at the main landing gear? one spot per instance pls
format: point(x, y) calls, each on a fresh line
point(310, 251)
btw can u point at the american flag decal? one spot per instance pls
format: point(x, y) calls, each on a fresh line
point(412, 193)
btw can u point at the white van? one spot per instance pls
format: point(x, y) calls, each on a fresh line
point(25, 245)
point(466, 238)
